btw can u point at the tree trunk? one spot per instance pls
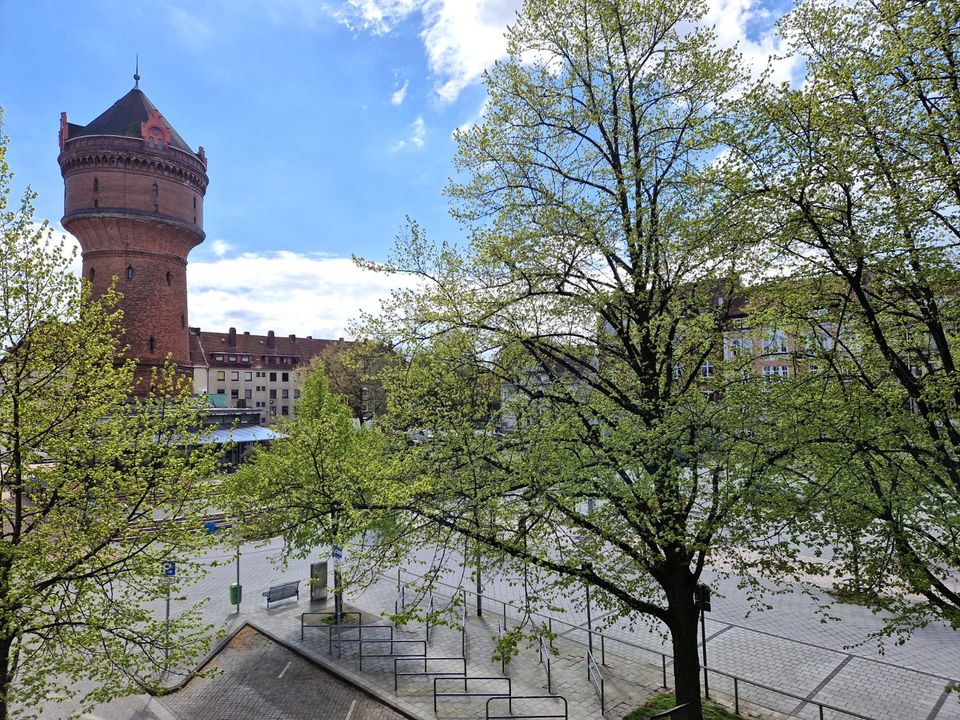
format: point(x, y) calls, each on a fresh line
point(6, 647)
point(686, 656)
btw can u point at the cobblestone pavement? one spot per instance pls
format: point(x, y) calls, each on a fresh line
point(258, 679)
point(787, 648)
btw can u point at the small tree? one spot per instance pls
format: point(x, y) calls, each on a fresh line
point(318, 483)
point(97, 490)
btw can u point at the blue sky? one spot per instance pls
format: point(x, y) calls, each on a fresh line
point(325, 124)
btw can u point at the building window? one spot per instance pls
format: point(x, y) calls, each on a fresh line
point(244, 358)
point(234, 393)
point(248, 376)
point(232, 358)
point(706, 370)
point(296, 393)
point(153, 344)
point(235, 375)
point(273, 377)
point(775, 343)
point(96, 184)
point(129, 272)
point(285, 377)
point(221, 375)
point(169, 278)
point(218, 357)
point(273, 394)
point(221, 391)
point(285, 393)
point(284, 409)
point(776, 371)
point(96, 203)
point(183, 321)
point(92, 274)
point(248, 394)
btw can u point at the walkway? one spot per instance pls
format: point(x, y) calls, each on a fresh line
point(786, 648)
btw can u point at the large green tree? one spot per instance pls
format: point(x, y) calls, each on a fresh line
point(591, 304)
point(855, 182)
point(96, 490)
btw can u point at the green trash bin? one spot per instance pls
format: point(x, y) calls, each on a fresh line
point(236, 593)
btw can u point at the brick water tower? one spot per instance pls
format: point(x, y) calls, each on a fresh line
point(133, 197)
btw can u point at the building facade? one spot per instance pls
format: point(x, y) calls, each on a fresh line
point(263, 372)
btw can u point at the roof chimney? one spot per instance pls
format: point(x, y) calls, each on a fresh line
point(246, 333)
point(293, 337)
point(271, 340)
point(232, 341)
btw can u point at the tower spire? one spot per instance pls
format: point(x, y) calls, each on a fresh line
point(136, 74)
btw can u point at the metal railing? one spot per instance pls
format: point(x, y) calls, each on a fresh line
point(538, 716)
point(398, 604)
point(466, 692)
point(323, 624)
point(500, 636)
point(426, 670)
point(545, 661)
point(664, 657)
point(595, 676)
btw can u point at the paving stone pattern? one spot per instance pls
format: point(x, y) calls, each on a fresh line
point(261, 680)
point(787, 647)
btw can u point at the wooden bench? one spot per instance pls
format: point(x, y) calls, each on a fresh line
point(282, 592)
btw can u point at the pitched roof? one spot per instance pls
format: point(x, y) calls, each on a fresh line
point(123, 118)
point(204, 344)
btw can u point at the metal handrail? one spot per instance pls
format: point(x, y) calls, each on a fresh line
point(512, 716)
point(503, 661)
point(426, 673)
point(398, 604)
point(545, 661)
point(664, 657)
point(595, 676)
point(466, 679)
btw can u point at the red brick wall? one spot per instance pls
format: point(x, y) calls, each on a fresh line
point(111, 206)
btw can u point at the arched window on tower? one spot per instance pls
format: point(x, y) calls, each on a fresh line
point(156, 197)
point(169, 278)
point(92, 274)
point(96, 184)
point(153, 344)
point(183, 322)
point(129, 272)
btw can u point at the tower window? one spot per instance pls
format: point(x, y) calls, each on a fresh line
point(129, 272)
point(153, 344)
point(169, 278)
point(96, 184)
point(183, 323)
point(155, 191)
point(92, 274)
point(194, 202)
point(96, 203)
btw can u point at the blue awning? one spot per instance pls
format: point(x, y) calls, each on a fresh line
point(243, 434)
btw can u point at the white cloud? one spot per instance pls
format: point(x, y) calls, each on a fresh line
point(733, 20)
point(220, 247)
point(417, 139)
point(462, 39)
point(400, 95)
point(286, 292)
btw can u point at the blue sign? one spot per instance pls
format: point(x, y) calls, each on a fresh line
point(169, 568)
point(337, 554)
point(210, 526)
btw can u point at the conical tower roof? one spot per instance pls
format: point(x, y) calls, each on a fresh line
point(124, 118)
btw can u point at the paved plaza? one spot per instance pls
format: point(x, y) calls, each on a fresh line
point(799, 659)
